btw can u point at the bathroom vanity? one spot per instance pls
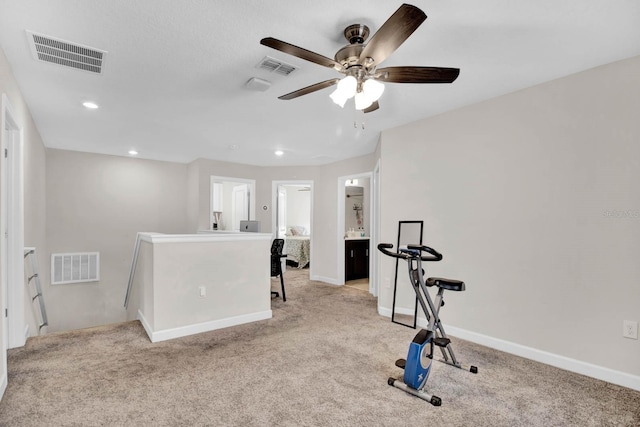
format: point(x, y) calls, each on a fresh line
point(356, 258)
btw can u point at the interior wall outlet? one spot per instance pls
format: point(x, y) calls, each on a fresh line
point(387, 283)
point(630, 329)
point(203, 291)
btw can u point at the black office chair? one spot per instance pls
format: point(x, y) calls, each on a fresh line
point(276, 264)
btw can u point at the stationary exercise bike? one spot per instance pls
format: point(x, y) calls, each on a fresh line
point(417, 365)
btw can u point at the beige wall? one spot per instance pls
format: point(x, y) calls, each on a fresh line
point(325, 199)
point(34, 170)
point(298, 208)
point(524, 195)
point(99, 203)
point(326, 212)
point(231, 290)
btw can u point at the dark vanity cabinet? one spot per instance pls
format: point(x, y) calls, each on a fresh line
point(356, 259)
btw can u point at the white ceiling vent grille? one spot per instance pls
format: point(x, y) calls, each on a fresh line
point(75, 268)
point(275, 66)
point(68, 54)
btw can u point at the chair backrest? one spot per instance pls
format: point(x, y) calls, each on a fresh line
point(277, 246)
point(276, 251)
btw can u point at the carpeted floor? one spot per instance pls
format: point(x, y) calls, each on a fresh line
point(322, 360)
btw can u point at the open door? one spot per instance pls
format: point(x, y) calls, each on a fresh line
point(281, 215)
point(12, 319)
point(240, 205)
point(292, 220)
point(232, 200)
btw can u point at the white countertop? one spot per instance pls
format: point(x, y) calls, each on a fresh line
point(357, 238)
point(203, 236)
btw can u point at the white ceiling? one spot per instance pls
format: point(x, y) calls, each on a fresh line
point(173, 84)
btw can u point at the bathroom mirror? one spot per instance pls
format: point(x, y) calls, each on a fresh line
point(357, 215)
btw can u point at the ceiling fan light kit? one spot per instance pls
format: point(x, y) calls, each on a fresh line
point(358, 61)
point(346, 89)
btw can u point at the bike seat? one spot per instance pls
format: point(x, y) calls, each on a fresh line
point(448, 284)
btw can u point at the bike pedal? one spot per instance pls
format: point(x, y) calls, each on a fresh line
point(401, 363)
point(441, 342)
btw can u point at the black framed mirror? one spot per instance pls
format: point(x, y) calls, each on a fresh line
point(404, 310)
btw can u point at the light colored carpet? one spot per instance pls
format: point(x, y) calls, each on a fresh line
point(362, 284)
point(323, 360)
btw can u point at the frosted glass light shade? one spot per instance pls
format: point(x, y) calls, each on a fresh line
point(347, 86)
point(373, 89)
point(338, 98)
point(346, 89)
point(362, 101)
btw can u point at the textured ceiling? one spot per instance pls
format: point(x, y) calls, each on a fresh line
point(174, 75)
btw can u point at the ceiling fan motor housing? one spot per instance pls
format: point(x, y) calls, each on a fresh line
point(349, 55)
point(356, 33)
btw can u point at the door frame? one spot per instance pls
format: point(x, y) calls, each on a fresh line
point(251, 185)
point(240, 191)
point(11, 221)
point(281, 194)
point(374, 254)
point(373, 280)
point(274, 212)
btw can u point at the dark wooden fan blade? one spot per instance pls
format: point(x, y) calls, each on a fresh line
point(392, 34)
point(417, 74)
point(309, 89)
point(300, 52)
point(372, 107)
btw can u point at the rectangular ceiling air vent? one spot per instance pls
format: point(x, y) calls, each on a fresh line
point(65, 53)
point(275, 66)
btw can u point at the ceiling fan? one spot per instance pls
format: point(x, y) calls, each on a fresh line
point(358, 61)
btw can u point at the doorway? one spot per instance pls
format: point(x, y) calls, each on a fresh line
point(292, 221)
point(12, 228)
point(357, 231)
point(240, 205)
point(12, 319)
point(232, 200)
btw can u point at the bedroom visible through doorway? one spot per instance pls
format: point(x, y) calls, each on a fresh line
point(293, 219)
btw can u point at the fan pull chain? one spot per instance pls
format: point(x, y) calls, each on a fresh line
point(355, 119)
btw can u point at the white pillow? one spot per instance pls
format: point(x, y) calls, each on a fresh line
point(297, 230)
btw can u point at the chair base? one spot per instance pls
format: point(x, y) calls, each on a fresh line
point(276, 293)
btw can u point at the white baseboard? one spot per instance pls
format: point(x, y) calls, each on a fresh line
point(386, 312)
point(145, 325)
point(584, 368)
point(20, 341)
point(327, 280)
point(3, 386)
point(167, 334)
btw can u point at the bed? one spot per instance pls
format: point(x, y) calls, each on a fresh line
point(297, 249)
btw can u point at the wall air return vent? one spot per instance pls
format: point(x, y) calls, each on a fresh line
point(65, 53)
point(75, 268)
point(275, 66)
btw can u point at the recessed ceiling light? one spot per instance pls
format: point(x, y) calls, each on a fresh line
point(279, 153)
point(133, 152)
point(90, 105)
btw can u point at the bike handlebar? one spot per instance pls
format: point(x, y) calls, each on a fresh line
point(412, 252)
